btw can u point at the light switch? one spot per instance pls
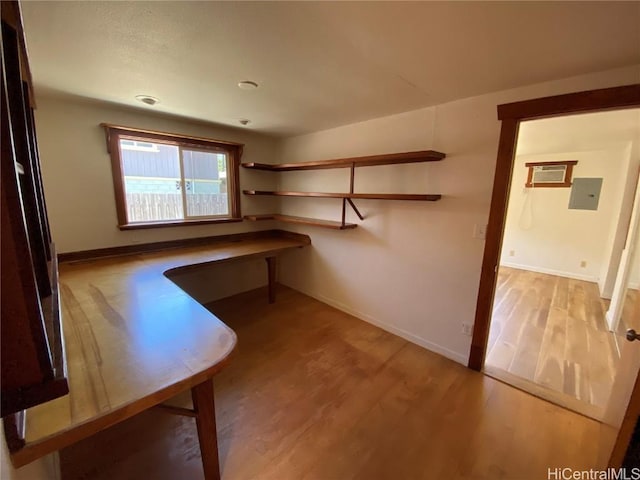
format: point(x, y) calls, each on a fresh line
point(480, 231)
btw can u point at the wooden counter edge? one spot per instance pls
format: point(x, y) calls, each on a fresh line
point(33, 451)
point(194, 266)
point(135, 249)
point(36, 449)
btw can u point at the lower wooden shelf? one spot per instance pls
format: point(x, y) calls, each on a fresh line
point(302, 220)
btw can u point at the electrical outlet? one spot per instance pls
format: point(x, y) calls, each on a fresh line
point(467, 328)
point(512, 253)
point(583, 264)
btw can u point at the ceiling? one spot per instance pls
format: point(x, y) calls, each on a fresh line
point(319, 64)
point(579, 133)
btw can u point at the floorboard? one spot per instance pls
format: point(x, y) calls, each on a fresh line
point(554, 336)
point(313, 393)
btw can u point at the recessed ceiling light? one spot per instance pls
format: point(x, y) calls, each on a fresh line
point(149, 100)
point(247, 85)
point(244, 121)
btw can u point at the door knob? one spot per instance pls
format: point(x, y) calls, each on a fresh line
point(632, 335)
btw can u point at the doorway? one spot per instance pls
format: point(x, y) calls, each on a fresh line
point(572, 186)
point(623, 413)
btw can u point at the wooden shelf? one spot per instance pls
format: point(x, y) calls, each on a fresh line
point(372, 160)
point(301, 220)
point(347, 198)
point(367, 196)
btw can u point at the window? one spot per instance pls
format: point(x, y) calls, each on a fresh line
point(550, 174)
point(163, 179)
point(138, 146)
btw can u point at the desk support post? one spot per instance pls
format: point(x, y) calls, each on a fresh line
point(271, 271)
point(203, 404)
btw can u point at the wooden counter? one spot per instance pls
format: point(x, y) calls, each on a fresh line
point(135, 339)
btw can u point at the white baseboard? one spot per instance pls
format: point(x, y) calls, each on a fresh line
point(433, 347)
point(549, 271)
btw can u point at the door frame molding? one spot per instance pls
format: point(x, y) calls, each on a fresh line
point(511, 114)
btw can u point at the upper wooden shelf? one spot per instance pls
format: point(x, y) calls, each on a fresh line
point(372, 160)
point(369, 196)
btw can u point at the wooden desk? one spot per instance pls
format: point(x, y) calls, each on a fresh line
point(134, 339)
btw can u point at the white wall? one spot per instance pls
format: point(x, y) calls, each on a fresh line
point(542, 234)
point(618, 236)
point(214, 282)
point(634, 276)
point(76, 170)
point(412, 268)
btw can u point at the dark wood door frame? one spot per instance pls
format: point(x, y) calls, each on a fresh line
point(511, 115)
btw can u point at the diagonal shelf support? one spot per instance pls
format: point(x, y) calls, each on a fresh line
point(355, 209)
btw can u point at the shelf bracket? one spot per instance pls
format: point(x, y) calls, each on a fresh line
point(344, 201)
point(355, 209)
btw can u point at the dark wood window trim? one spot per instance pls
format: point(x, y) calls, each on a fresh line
point(511, 115)
point(568, 175)
point(234, 150)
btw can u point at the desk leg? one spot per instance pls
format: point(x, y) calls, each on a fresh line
point(271, 270)
point(203, 404)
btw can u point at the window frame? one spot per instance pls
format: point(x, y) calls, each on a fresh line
point(115, 133)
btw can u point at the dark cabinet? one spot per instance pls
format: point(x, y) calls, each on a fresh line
point(32, 353)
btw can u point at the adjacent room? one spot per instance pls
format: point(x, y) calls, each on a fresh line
point(318, 240)
point(573, 185)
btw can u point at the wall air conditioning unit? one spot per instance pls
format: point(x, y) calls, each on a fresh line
point(550, 174)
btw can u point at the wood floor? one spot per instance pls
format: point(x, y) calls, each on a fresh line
point(313, 393)
point(551, 331)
